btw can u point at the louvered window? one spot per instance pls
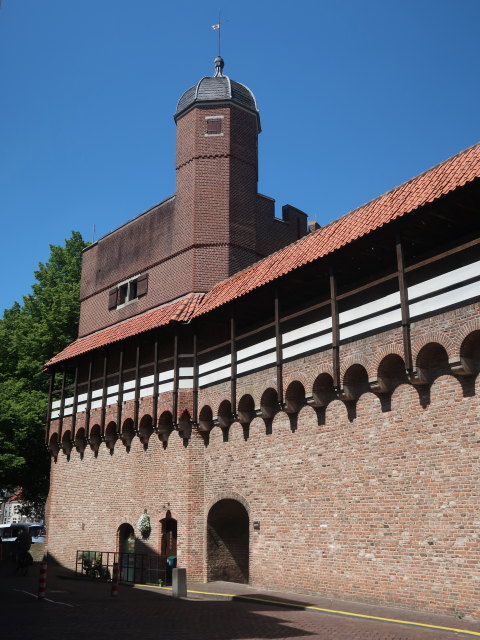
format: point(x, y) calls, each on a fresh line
point(128, 291)
point(214, 126)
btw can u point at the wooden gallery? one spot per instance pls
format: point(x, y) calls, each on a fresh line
point(291, 406)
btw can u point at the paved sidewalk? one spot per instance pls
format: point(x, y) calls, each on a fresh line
point(77, 608)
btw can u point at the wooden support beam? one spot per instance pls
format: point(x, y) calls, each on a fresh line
point(175, 382)
point(120, 393)
point(233, 367)
point(75, 403)
point(195, 380)
point(104, 394)
point(335, 332)
point(49, 406)
point(62, 405)
point(278, 352)
point(136, 402)
point(402, 285)
point(89, 400)
point(155, 383)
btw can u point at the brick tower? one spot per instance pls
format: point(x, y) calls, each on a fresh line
point(216, 208)
point(215, 224)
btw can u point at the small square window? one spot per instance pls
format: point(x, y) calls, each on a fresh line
point(214, 126)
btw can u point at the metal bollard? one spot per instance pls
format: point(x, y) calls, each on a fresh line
point(115, 575)
point(42, 583)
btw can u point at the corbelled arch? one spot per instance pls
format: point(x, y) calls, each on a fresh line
point(295, 396)
point(296, 376)
point(355, 381)
point(54, 445)
point(470, 352)
point(432, 361)
point(80, 440)
point(419, 342)
point(391, 349)
point(111, 436)
point(355, 359)
point(246, 409)
point(185, 425)
point(145, 429)
point(224, 414)
point(323, 390)
point(205, 418)
point(128, 433)
point(67, 443)
point(165, 426)
point(391, 372)
point(269, 403)
point(462, 332)
point(95, 438)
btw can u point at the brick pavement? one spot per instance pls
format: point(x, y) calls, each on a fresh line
point(79, 608)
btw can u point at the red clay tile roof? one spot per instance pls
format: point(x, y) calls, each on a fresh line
point(178, 311)
point(427, 187)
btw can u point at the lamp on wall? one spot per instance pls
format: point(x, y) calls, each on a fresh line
point(256, 525)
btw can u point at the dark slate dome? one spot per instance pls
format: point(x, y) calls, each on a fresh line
point(217, 89)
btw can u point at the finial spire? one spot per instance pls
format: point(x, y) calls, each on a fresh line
point(219, 64)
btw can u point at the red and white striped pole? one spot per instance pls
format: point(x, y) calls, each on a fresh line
point(42, 583)
point(115, 575)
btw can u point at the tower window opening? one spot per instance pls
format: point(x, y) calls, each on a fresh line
point(214, 126)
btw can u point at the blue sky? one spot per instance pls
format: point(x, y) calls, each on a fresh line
point(355, 97)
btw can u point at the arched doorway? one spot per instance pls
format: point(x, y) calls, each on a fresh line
point(227, 541)
point(126, 552)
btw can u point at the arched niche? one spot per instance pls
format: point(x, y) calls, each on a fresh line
point(145, 429)
point(294, 397)
point(205, 419)
point(224, 415)
point(269, 403)
point(111, 436)
point(95, 438)
point(432, 362)
point(67, 444)
point(355, 382)
point(246, 409)
point(391, 372)
point(128, 433)
point(470, 352)
point(165, 426)
point(228, 542)
point(185, 425)
point(323, 391)
point(54, 445)
point(80, 441)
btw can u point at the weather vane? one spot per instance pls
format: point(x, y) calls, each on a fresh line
point(217, 27)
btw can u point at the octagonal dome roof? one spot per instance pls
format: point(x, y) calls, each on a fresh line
point(217, 89)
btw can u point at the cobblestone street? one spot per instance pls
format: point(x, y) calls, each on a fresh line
point(76, 609)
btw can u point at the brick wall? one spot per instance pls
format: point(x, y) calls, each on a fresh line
point(374, 499)
point(214, 226)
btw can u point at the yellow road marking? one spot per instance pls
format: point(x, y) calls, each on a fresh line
point(323, 610)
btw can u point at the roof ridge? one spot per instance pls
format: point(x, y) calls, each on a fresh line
point(403, 184)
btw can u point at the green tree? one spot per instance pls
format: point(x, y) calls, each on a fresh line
point(30, 334)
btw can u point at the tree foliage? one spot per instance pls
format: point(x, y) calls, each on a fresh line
point(30, 334)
